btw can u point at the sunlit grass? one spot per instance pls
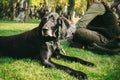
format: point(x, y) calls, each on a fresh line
point(107, 67)
point(15, 28)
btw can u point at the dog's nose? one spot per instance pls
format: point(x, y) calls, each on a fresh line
point(45, 30)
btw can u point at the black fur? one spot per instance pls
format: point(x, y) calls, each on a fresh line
point(41, 44)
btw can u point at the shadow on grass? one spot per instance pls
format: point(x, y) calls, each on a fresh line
point(4, 60)
point(9, 60)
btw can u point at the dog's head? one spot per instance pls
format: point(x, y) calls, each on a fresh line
point(50, 25)
point(53, 26)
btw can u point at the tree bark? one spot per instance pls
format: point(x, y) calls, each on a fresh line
point(26, 11)
point(71, 4)
point(12, 9)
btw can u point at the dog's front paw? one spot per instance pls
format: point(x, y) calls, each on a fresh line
point(80, 75)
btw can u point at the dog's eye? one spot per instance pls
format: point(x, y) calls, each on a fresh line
point(53, 28)
point(53, 19)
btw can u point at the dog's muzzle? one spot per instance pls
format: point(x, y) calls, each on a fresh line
point(45, 32)
point(48, 33)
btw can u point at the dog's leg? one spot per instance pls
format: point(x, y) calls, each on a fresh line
point(78, 74)
point(57, 54)
point(45, 57)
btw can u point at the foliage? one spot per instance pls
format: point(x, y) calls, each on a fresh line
point(110, 0)
point(80, 5)
point(107, 67)
point(52, 3)
point(35, 2)
point(5, 2)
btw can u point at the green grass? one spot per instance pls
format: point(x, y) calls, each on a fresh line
point(107, 67)
point(9, 21)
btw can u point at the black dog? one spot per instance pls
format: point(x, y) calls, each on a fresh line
point(41, 43)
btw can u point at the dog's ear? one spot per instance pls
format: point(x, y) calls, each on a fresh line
point(59, 21)
point(62, 28)
point(59, 24)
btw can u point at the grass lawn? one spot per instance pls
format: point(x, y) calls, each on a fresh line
point(107, 67)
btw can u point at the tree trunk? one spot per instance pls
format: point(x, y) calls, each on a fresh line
point(27, 11)
point(46, 2)
point(71, 4)
point(12, 10)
